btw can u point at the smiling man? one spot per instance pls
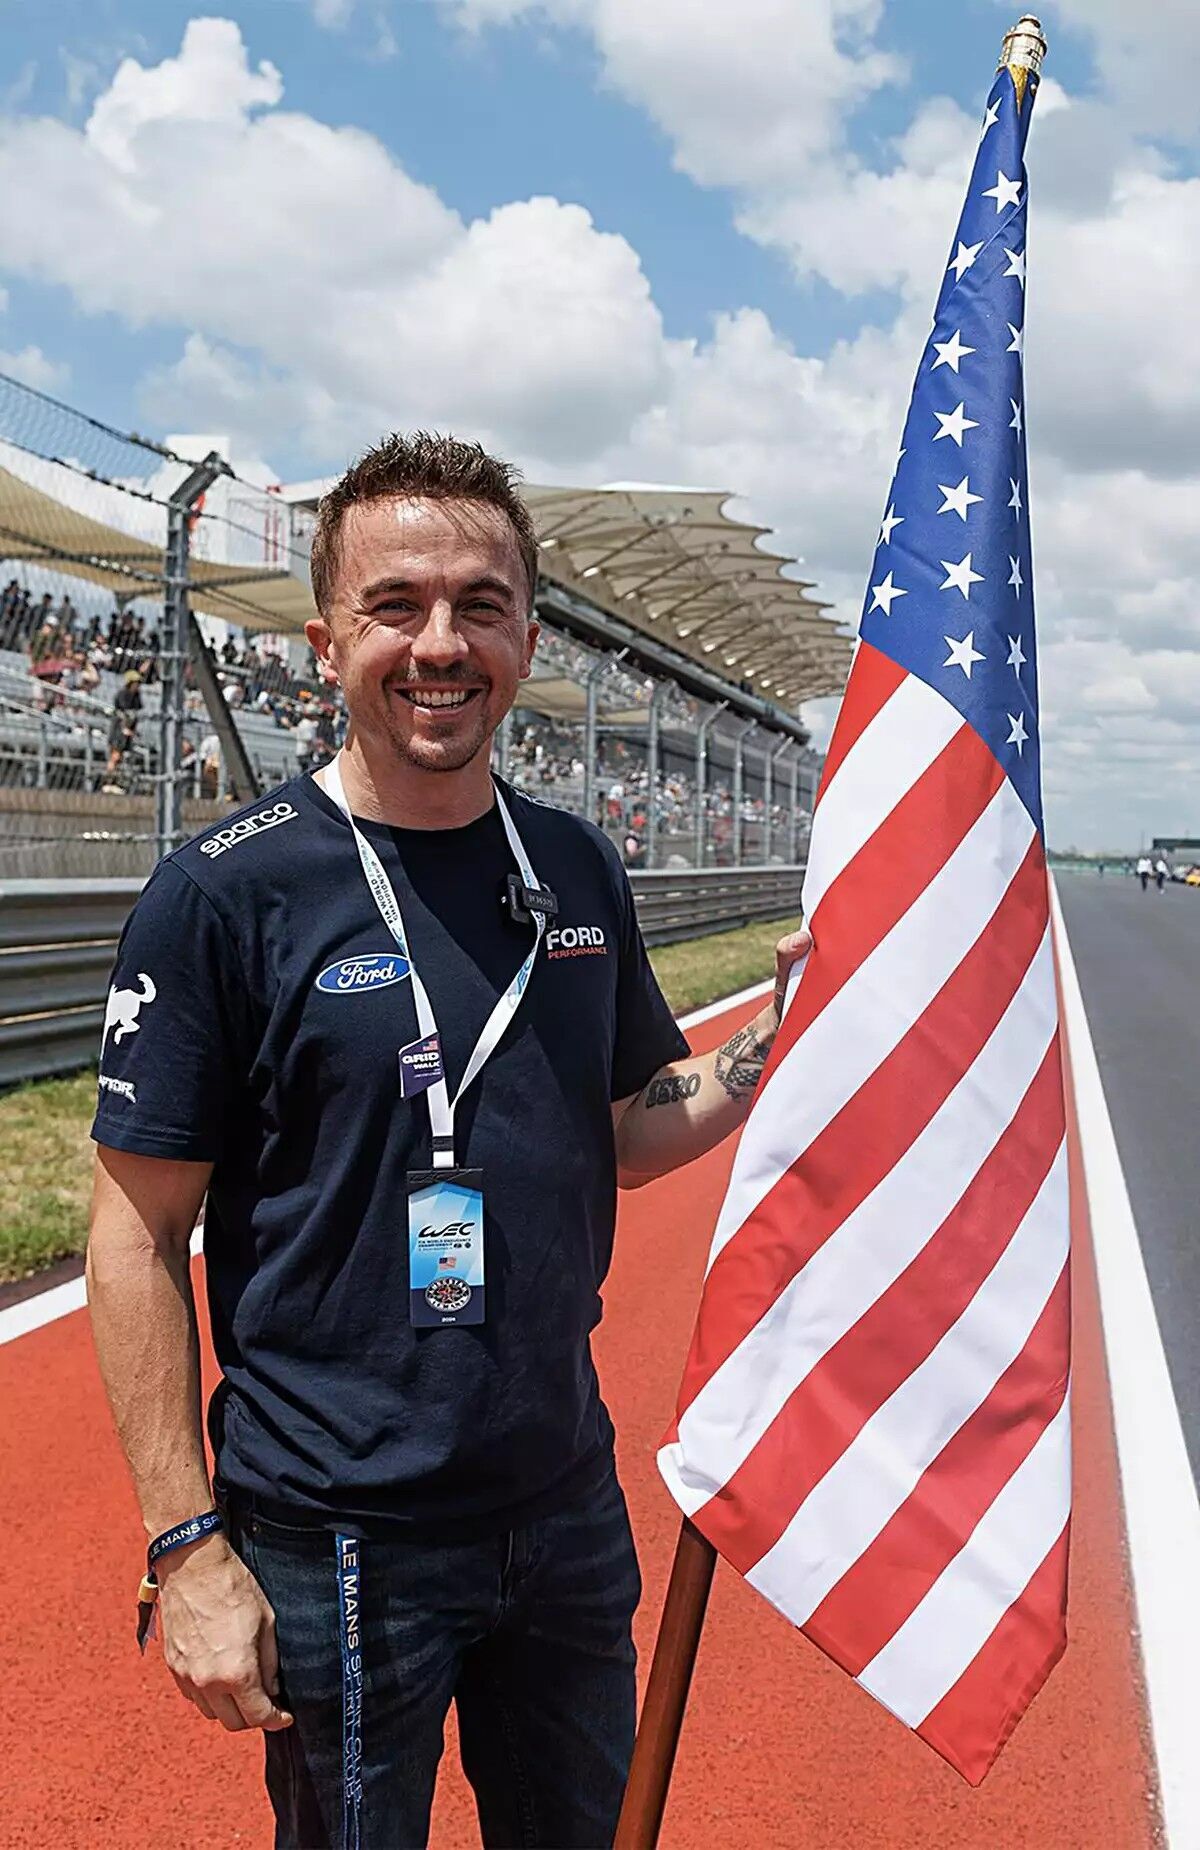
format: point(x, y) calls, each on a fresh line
point(398, 1023)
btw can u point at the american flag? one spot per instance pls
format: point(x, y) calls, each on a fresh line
point(873, 1424)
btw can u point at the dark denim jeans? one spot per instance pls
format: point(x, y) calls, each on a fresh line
point(527, 1633)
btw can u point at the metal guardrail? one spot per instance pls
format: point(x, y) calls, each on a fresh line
point(58, 939)
point(692, 902)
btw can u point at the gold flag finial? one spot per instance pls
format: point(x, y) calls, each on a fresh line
point(1022, 52)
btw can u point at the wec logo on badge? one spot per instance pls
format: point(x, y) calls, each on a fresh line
point(356, 976)
point(269, 818)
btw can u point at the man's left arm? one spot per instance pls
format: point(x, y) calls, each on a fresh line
point(689, 1106)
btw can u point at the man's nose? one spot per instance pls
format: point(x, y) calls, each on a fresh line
point(438, 643)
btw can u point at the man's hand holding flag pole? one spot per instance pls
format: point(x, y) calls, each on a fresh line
point(873, 1423)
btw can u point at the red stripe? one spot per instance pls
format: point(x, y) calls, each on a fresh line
point(890, 1578)
point(891, 871)
point(851, 1156)
point(873, 680)
point(974, 1719)
point(864, 1368)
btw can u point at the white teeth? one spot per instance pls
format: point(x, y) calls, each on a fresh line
point(436, 699)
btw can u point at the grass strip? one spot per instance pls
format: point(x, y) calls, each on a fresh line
point(45, 1170)
point(704, 969)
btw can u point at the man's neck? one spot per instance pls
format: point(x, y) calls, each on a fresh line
point(406, 797)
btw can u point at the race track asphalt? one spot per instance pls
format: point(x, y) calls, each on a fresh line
point(780, 1750)
point(1137, 956)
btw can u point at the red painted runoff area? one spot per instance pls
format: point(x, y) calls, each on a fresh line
point(780, 1749)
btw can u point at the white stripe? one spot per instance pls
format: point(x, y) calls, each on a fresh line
point(59, 1301)
point(1162, 1505)
point(873, 1245)
point(45, 1307)
point(875, 1008)
point(947, 1631)
point(861, 1492)
point(727, 1003)
point(913, 726)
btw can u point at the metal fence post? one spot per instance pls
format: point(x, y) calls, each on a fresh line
point(794, 829)
point(43, 778)
point(591, 689)
point(652, 723)
point(702, 733)
point(769, 795)
point(168, 808)
point(503, 744)
point(738, 755)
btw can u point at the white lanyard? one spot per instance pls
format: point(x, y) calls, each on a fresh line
point(441, 1106)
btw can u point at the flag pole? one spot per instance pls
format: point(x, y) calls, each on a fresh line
point(667, 1691)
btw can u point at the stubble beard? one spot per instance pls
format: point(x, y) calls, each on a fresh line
point(439, 755)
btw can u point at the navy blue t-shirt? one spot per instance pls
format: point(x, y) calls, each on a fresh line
point(222, 1044)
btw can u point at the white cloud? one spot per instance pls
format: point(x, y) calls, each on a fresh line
point(210, 82)
point(323, 294)
point(747, 93)
point(33, 367)
point(1147, 58)
point(190, 199)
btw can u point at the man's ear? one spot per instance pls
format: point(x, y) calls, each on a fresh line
point(320, 639)
point(533, 630)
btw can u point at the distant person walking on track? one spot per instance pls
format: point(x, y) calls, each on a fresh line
point(1144, 870)
point(397, 1022)
point(1161, 872)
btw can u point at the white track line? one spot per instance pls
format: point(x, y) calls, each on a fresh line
point(1162, 1508)
point(727, 1002)
point(47, 1306)
point(60, 1300)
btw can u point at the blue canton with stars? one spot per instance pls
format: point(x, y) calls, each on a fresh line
point(950, 596)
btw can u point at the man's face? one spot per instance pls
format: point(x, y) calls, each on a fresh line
point(428, 630)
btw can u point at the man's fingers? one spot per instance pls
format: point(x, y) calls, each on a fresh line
point(268, 1657)
point(197, 1700)
point(226, 1711)
point(258, 1711)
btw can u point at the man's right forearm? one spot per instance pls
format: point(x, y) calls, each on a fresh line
point(144, 1324)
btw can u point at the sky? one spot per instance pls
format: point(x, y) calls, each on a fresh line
point(656, 240)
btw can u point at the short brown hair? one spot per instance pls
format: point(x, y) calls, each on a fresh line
point(424, 466)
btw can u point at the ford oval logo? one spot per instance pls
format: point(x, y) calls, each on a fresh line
point(357, 976)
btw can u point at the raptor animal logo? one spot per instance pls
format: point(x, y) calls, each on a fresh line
point(124, 1006)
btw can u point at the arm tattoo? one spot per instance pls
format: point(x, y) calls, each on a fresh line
point(672, 1089)
point(740, 1062)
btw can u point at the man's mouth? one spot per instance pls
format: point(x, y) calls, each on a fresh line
point(437, 699)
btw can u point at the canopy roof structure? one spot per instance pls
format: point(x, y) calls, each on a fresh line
point(124, 552)
point(669, 563)
point(672, 563)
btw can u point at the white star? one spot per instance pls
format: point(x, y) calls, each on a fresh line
point(960, 577)
point(1014, 500)
point(1014, 577)
point(1016, 656)
point(891, 519)
point(958, 500)
point(1014, 422)
point(883, 594)
point(1006, 192)
point(1016, 265)
point(990, 120)
point(963, 258)
point(963, 653)
point(1017, 343)
point(1018, 736)
point(954, 424)
point(951, 351)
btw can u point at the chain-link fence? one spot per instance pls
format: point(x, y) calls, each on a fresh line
point(125, 722)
